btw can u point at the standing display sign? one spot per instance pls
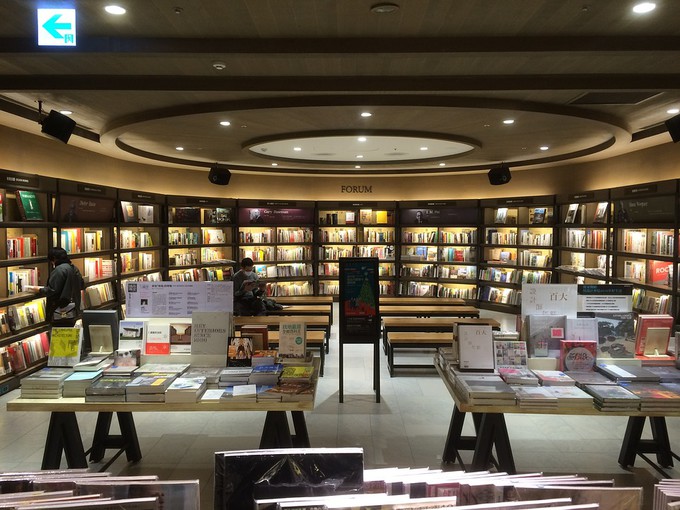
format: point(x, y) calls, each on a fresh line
point(360, 310)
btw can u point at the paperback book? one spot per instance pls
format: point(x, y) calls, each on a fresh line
point(65, 347)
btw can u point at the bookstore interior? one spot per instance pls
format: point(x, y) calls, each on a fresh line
point(485, 233)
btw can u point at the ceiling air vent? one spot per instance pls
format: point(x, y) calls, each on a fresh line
point(614, 97)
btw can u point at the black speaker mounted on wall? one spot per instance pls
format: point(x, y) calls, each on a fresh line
point(500, 175)
point(219, 176)
point(58, 125)
point(673, 126)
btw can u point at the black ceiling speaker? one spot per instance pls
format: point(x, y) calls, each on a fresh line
point(673, 126)
point(219, 176)
point(500, 175)
point(58, 125)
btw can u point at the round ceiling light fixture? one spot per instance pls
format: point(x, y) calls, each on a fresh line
point(384, 8)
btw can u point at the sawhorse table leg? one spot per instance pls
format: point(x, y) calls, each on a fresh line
point(63, 435)
point(127, 440)
point(634, 445)
point(276, 432)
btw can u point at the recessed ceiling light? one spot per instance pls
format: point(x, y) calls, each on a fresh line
point(366, 114)
point(66, 112)
point(544, 147)
point(384, 8)
point(115, 9)
point(644, 7)
point(360, 156)
point(297, 149)
point(423, 148)
point(442, 164)
point(357, 166)
point(673, 111)
point(361, 139)
point(179, 148)
point(509, 121)
point(225, 123)
point(275, 164)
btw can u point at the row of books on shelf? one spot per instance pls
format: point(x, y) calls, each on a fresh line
point(204, 274)
point(499, 295)
point(23, 246)
point(18, 356)
point(333, 269)
point(141, 261)
point(338, 236)
point(264, 254)
point(20, 316)
point(284, 270)
point(652, 272)
point(436, 290)
point(78, 240)
point(586, 239)
point(463, 236)
point(135, 239)
point(648, 303)
point(515, 276)
point(19, 278)
point(193, 215)
point(99, 294)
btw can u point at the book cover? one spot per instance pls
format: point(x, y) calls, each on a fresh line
point(660, 272)
point(131, 334)
point(101, 338)
point(581, 328)
point(180, 337)
point(157, 338)
point(656, 342)
point(65, 347)
point(475, 347)
point(615, 334)
point(571, 213)
point(501, 215)
point(240, 352)
point(601, 212)
point(544, 334)
point(292, 339)
point(577, 355)
point(510, 353)
point(210, 332)
point(644, 323)
point(127, 357)
point(259, 334)
point(129, 211)
point(145, 213)
point(29, 206)
point(539, 215)
point(152, 382)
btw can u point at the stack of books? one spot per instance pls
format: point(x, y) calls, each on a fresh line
point(571, 396)
point(94, 363)
point(76, 383)
point(108, 388)
point(241, 393)
point(554, 378)
point(609, 397)
point(211, 374)
point(185, 389)
point(518, 375)
point(232, 376)
point(149, 387)
point(666, 374)
point(486, 389)
point(296, 374)
point(266, 374)
point(45, 383)
point(264, 357)
point(176, 369)
point(628, 373)
point(583, 378)
point(655, 396)
point(535, 397)
point(290, 392)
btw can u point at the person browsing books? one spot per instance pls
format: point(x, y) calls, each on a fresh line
point(248, 290)
point(63, 288)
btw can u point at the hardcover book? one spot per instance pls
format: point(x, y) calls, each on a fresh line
point(132, 334)
point(210, 332)
point(578, 355)
point(180, 337)
point(240, 352)
point(616, 334)
point(157, 338)
point(627, 373)
point(544, 334)
point(65, 347)
point(601, 212)
point(554, 378)
point(29, 206)
point(510, 353)
point(129, 211)
point(647, 321)
point(571, 214)
point(292, 339)
point(475, 347)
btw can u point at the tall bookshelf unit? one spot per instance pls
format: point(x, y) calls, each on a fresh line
point(26, 223)
point(85, 215)
point(585, 238)
point(517, 248)
point(278, 236)
point(644, 222)
point(140, 237)
point(438, 248)
point(377, 237)
point(200, 237)
point(337, 237)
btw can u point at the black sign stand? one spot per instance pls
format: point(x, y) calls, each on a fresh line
point(360, 311)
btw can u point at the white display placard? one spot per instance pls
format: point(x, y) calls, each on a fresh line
point(177, 299)
point(549, 299)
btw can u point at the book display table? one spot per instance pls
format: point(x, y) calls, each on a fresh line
point(63, 433)
point(491, 432)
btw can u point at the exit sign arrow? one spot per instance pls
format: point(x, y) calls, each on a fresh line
point(53, 26)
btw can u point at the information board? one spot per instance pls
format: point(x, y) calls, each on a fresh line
point(359, 300)
point(177, 299)
point(605, 298)
point(549, 299)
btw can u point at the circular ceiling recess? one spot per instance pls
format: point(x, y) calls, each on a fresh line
point(359, 148)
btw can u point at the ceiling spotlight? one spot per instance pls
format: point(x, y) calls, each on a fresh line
point(297, 149)
point(509, 121)
point(275, 164)
point(442, 164)
point(423, 148)
point(360, 156)
point(225, 123)
point(363, 138)
point(384, 8)
point(673, 111)
point(544, 147)
point(66, 112)
point(366, 114)
point(115, 9)
point(179, 148)
point(357, 166)
point(644, 7)
point(219, 66)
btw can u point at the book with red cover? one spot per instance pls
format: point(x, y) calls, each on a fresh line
point(646, 321)
point(577, 355)
point(660, 272)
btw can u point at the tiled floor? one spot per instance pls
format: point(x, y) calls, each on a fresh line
point(407, 428)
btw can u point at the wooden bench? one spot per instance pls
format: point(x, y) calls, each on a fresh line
point(417, 333)
point(314, 340)
point(305, 300)
point(428, 311)
point(418, 301)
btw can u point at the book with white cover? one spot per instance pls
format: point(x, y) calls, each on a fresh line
point(157, 338)
point(475, 347)
point(131, 334)
point(185, 389)
point(210, 332)
point(292, 339)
